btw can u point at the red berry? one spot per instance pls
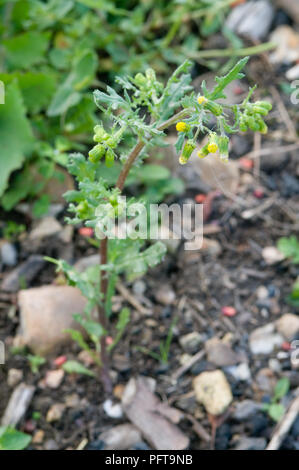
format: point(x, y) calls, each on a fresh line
point(258, 193)
point(60, 360)
point(246, 163)
point(200, 198)
point(238, 90)
point(229, 311)
point(109, 340)
point(286, 346)
point(86, 231)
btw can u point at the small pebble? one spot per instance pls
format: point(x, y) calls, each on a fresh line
point(14, 377)
point(55, 412)
point(38, 437)
point(113, 410)
point(54, 378)
point(9, 255)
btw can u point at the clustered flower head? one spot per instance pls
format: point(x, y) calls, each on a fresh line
point(252, 117)
point(105, 145)
point(182, 126)
point(201, 99)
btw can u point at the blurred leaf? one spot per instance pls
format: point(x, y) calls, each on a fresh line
point(289, 247)
point(20, 187)
point(10, 439)
point(281, 388)
point(276, 411)
point(75, 367)
point(37, 90)
point(68, 94)
point(26, 49)
point(15, 133)
point(41, 206)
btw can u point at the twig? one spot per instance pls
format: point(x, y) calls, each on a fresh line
point(131, 299)
point(232, 52)
point(284, 426)
point(270, 150)
point(249, 213)
point(197, 357)
point(257, 149)
point(284, 113)
point(198, 428)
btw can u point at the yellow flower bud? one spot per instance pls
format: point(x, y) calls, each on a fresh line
point(212, 147)
point(201, 99)
point(182, 126)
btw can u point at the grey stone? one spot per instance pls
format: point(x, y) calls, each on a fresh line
point(9, 255)
point(121, 437)
point(246, 409)
point(24, 273)
point(191, 342)
point(251, 443)
point(45, 313)
point(47, 227)
point(251, 19)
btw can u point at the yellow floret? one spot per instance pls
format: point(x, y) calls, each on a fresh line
point(212, 147)
point(182, 160)
point(201, 155)
point(181, 126)
point(201, 99)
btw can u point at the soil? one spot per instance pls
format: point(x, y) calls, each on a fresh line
point(203, 283)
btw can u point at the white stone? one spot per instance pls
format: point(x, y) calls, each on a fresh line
point(240, 372)
point(113, 410)
point(288, 325)
point(264, 340)
point(213, 391)
point(272, 255)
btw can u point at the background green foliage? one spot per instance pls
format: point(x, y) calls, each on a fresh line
point(54, 52)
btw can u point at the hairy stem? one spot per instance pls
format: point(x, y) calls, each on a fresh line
point(104, 249)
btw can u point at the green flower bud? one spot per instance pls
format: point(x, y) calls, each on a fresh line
point(252, 123)
point(82, 209)
point(243, 125)
point(150, 75)
point(96, 153)
point(264, 104)
point(263, 128)
point(260, 110)
point(187, 151)
point(109, 158)
point(204, 151)
point(140, 79)
point(99, 133)
point(215, 108)
point(223, 142)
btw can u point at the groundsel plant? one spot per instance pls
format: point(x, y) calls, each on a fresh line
point(138, 118)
